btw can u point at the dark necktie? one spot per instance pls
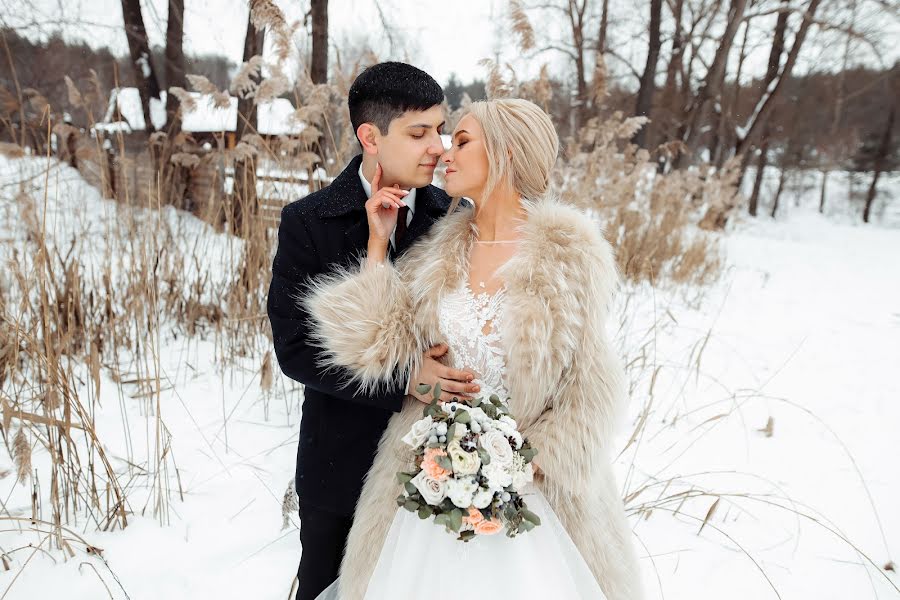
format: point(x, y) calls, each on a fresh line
point(401, 224)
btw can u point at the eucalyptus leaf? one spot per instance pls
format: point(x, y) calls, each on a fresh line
point(456, 519)
point(442, 520)
point(495, 400)
point(423, 388)
point(444, 462)
point(484, 456)
point(528, 454)
point(424, 512)
point(530, 516)
point(462, 416)
point(436, 393)
point(404, 477)
point(451, 432)
point(411, 505)
point(410, 487)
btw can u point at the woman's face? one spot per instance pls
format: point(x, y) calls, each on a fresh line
point(466, 160)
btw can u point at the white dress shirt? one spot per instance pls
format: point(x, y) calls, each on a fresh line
point(410, 201)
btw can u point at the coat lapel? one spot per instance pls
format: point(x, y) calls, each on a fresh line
point(429, 209)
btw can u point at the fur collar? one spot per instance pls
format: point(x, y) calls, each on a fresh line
point(553, 282)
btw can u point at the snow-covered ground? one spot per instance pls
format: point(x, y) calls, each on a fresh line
point(804, 329)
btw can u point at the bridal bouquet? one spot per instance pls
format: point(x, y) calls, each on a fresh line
point(471, 466)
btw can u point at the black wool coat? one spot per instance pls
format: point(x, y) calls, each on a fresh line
point(340, 429)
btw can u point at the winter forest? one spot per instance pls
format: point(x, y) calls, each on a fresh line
point(741, 156)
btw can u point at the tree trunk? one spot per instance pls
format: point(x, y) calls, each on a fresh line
point(644, 104)
point(825, 173)
point(139, 51)
point(671, 102)
point(575, 13)
point(880, 162)
point(757, 181)
point(775, 201)
point(318, 70)
point(604, 24)
point(174, 61)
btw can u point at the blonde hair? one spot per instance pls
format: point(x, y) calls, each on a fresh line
point(521, 145)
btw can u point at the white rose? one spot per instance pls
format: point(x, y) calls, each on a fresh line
point(483, 498)
point(419, 432)
point(461, 490)
point(432, 490)
point(497, 447)
point(464, 463)
point(509, 422)
point(497, 475)
point(522, 477)
point(460, 431)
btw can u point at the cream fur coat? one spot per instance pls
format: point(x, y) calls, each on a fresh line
point(565, 383)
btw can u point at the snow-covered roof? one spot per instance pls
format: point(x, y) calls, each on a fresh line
point(125, 113)
point(207, 117)
point(273, 118)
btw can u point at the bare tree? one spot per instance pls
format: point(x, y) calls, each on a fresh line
point(175, 71)
point(139, 50)
point(671, 98)
point(771, 72)
point(318, 70)
point(644, 103)
point(840, 97)
point(766, 103)
point(881, 161)
point(711, 88)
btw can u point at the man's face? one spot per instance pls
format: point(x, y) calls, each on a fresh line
point(409, 152)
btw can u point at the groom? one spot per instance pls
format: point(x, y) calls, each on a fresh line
point(396, 113)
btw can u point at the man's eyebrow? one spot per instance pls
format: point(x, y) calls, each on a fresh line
point(425, 125)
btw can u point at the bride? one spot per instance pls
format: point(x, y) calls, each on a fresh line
point(519, 289)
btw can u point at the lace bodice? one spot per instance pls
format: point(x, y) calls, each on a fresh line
point(471, 326)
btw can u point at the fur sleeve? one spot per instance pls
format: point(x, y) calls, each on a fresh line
point(362, 319)
point(577, 427)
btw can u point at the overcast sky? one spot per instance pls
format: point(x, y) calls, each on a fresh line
point(440, 36)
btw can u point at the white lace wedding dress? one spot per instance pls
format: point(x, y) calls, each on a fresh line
point(420, 560)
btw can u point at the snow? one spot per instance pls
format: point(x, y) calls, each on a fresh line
point(207, 117)
point(804, 328)
point(273, 117)
point(126, 102)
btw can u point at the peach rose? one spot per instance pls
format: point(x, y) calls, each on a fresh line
point(474, 518)
point(430, 466)
point(488, 527)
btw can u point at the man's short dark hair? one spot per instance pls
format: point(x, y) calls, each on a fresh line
point(385, 91)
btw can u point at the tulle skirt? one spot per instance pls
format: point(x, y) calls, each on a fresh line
point(421, 560)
